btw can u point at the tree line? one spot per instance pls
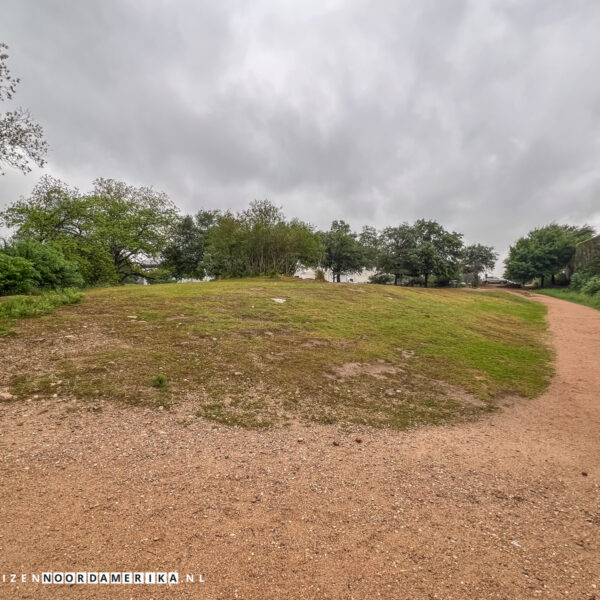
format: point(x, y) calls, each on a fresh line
point(117, 233)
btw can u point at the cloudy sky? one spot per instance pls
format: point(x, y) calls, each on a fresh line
point(482, 114)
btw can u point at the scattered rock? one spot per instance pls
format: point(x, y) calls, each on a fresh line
point(6, 396)
point(358, 440)
point(336, 443)
point(278, 300)
point(584, 473)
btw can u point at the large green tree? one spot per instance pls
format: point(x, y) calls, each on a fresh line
point(184, 255)
point(259, 241)
point(343, 252)
point(437, 252)
point(544, 252)
point(478, 258)
point(397, 249)
point(112, 232)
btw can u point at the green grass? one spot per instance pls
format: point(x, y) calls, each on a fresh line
point(573, 296)
point(332, 353)
point(19, 307)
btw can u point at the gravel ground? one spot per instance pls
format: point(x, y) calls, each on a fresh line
point(508, 507)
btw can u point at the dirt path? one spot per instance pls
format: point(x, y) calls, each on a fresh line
point(506, 508)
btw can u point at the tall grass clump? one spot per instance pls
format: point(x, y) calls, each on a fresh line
point(19, 307)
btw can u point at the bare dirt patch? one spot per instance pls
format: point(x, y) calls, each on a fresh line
point(354, 369)
point(313, 343)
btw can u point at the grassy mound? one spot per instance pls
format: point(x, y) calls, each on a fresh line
point(257, 353)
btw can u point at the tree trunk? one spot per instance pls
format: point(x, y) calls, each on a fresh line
point(337, 278)
point(426, 279)
point(542, 281)
point(553, 280)
point(395, 279)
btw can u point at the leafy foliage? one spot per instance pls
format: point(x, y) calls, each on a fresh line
point(592, 286)
point(53, 270)
point(259, 241)
point(478, 258)
point(17, 275)
point(437, 251)
point(21, 138)
point(117, 232)
point(110, 233)
point(343, 252)
point(381, 278)
point(578, 280)
point(544, 251)
point(397, 247)
point(184, 254)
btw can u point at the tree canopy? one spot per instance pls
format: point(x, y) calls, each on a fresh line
point(110, 232)
point(343, 252)
point(397, 247)
point(544, 252)
point(478, 258)
point(260, 241)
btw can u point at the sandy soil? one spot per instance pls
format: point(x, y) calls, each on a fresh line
point(504, 508)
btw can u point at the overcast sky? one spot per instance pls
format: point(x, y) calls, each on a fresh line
point(483, 115)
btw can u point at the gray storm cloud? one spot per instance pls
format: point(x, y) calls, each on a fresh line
point(483, 115)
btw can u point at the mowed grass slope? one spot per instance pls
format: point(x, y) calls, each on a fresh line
point(331, 353)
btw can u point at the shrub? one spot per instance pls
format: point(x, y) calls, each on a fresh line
point(381, 278)
point(578, 280)
point(17, 275)
point(160, 381)
point(319, 275)
point(55, 271)
point(592, 286)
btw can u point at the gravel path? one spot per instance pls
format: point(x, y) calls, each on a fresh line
point(505, 508)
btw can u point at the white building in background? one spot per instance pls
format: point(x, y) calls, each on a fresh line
point(358, 277)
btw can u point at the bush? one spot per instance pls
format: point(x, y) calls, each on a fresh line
point(17, 275)
point(578, 280)
point(592, 286)
point(319, 275)
point(54, 270)
point(381, 278)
